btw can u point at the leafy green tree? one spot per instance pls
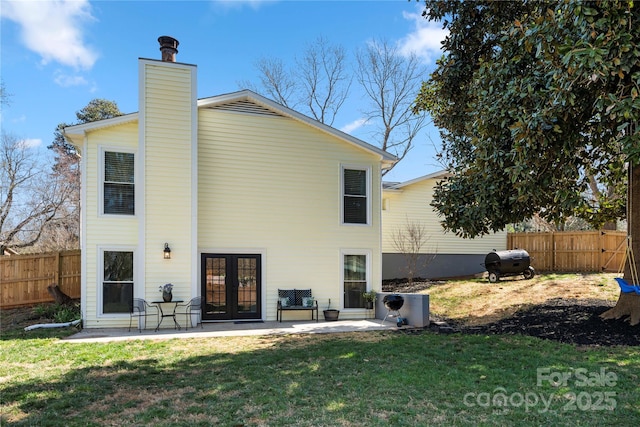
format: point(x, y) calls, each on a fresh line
point(534, 100)
point(96, 109)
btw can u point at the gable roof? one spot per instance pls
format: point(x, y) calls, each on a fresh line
point(399, 185)
point(244, 101)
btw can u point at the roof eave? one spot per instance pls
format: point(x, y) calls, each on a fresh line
point(75, 133)
point(434, 175)
point(83, 128)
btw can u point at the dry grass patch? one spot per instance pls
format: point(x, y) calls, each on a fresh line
point(477, 302)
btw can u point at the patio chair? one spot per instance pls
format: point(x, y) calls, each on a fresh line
point(141, 308)
point(193, 307)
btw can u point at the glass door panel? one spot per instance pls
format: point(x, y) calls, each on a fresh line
point(231, 286)
point(215, 289)
point(247, 290)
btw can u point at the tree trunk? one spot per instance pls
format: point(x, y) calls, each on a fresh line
point(60, 297)
point(629, 303)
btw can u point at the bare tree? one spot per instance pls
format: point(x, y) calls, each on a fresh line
point(319, 84)
point(410, 240)
point(32, 200)
point(322, 71)
point(276, 82)
point(5, 97)
point(390, 81)
point(64, 234)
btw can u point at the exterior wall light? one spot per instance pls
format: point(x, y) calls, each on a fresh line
point(167, 251)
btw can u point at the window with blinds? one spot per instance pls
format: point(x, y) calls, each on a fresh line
point(119, 185)
point(355, 203)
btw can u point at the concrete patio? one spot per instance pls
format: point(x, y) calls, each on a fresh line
point(229, 329)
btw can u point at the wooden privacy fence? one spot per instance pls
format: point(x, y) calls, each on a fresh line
point(24, 278)
point(575, 251)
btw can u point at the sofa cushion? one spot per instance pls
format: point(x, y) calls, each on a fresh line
point(290, 294)
point(302, 293)
point(296, 297)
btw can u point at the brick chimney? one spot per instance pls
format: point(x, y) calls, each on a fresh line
point(169, 48)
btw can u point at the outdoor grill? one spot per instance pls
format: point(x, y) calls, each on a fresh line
point(508, 263)
point(394, 303)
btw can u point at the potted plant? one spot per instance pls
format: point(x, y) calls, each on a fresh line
point(369, 298)
point(330, 314)
point(166, 290)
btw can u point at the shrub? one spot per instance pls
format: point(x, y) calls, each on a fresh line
point(59, 313)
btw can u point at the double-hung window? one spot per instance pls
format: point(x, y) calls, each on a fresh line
point(355, 278)
point(118, 183)
point(117, 281)
point(355, 197)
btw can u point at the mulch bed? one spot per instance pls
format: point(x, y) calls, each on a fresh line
point(571, 321)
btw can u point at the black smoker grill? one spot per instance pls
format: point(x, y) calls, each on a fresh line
point(394, 303)
point(508, 263)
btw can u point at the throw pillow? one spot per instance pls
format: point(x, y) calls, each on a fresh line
point(307, 301)
point(284, 302)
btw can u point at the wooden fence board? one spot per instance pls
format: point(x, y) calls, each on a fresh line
point(24, 278)
point(576, 251)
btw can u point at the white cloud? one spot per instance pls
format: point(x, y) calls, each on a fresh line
point(354, 125)
point(65, 80)
point(20, 119)
point(424, 40)
point(53, 29)
point(239, 4)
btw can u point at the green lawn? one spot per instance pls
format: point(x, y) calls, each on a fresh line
point(388, 378)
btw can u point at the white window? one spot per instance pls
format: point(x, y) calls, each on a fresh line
point(356, 274)
point(118, 178)
point(355, 195)
point(117, 281)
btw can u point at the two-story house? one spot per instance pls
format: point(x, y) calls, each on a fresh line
point(248, 196)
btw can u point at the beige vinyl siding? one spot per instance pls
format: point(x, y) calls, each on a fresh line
point(168, 111)
point(273, 184)
point(105, 230)
point(414, 202)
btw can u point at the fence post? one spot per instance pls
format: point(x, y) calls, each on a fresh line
point(58, 269)
point(603, 251)
point(553, 251)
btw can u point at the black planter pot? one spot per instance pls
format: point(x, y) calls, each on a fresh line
point(331, 314)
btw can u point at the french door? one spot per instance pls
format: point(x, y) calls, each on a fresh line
point(231, 285)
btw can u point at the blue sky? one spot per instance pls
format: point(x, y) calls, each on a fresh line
point(56, 56)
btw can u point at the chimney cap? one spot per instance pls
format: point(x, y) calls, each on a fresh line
point(168, 47)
